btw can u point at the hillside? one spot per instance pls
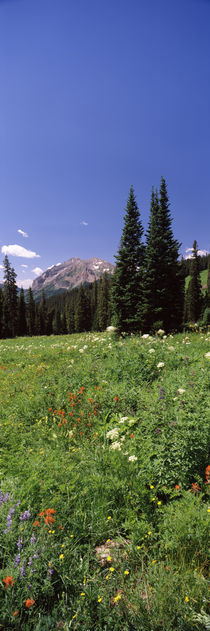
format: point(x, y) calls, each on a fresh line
point(70, 274)
point(203, 277)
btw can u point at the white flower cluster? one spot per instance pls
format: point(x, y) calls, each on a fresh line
point(113, 434)
point(132, 458)
point(115, 445)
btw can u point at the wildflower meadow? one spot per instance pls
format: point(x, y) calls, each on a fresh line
point(105, 475)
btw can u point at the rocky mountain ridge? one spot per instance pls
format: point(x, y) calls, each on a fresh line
point(70, 274)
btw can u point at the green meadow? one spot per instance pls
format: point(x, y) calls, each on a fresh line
point(104, 482)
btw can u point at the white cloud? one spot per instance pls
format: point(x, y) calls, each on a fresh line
point(189, 254)
point(37, 271)
point(24, 234)
point(83, 223)
point(23, 265)
point(18, 250)
point(25, 284)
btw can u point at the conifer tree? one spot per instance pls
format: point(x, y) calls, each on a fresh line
point(194, 289)
point(21, 323)
point(43, 315)
point(103, 302)
point(163, 284)
point(127, 279)
point(81, 312)
point(9, 300)
point(30, 313)
point(1, 313)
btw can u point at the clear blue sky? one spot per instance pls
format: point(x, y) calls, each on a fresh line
point(95, 96)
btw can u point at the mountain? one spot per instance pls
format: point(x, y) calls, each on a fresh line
point(70, 274)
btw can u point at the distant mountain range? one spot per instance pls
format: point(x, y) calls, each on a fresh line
point(70, 274)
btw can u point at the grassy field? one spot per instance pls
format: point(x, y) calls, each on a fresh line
point(103, 495)
point(203, 277)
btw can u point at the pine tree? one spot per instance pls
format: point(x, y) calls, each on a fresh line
point(163, 283)
point(152, 311)
point(82, 322)
point(127, 279)
point(30, 312)
point(103, 302)
point(194, 289)
point(43, 315)
point(21, 320)
point(9, 300)
point(1, 313)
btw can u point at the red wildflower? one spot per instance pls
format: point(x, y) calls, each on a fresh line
point(195, 488)
point(177, 487)
point(207, 474)
point(116, 398)
point(49, 410)
point(50, 511)
point(131, 435)
point(9, 580)
point(36, 523)
point(61, 527)
point(29, 602)
point(15, 613)
point(59, 424)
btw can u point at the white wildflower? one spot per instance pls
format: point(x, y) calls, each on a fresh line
point(207, 355)
point(171, 348)
point(132, 458)
point(160, 365)
point(180, 391)
point(145, 336)
point(111, 328)
point(113, 433)
point(160, 332)
point(81, 350)
point(115, 445)
point(123, 418)
point(151, 350)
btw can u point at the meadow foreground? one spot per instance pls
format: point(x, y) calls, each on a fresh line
point(104, 482)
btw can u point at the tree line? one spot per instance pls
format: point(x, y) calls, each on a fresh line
point(145, 293)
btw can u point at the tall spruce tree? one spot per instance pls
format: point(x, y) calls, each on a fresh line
point(30, 312)
point(103, 302)
point(82, 312)
point(9, 300)
point(163, 284)
point(21, 319)
point(194, 288)
point(127, 279)
point(1, 313)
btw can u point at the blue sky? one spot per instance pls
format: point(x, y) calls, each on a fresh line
point(96, 96)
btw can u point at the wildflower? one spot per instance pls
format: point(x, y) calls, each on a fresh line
point(15, 613)
point(177, 487)
point(82, 594)
point(180, 391)
point(99, 598)
point(207, 355)
point(186, 599)
point(160, 365)
point(151, 486)
point(17, 559)
point(109, 517)
point(132, 435)
point(138, 547)
point(115, 445)
point(9, 581)
point(126, 572)
point(19, 544)
point(207, 474)
point(29, 602)
point(24, 516)
point(36, 523)
point(159, 503)
point(111, 569)
point(22, 570)
point(195, 488)
point(132, 458)
point(154, 561)
point(116, 398)
point(109, 558)
point(160, 332)
point(153, 499)
point(61, 556)
point(113, 433)
point(33, 538)
point(151, 350)
point(117, 598)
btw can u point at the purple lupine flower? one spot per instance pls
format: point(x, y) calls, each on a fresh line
point(17, 559)
point(20, 543)
point(22, 570)
point(30, 562)
point(25, 515)
point(12, 510)
point(161, 394)
point(1, 497)
point(29, 586)
point(36, 555)
point(33, 538)
point(6, 498)
point(50, 571)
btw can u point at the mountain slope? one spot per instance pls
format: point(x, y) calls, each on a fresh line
point(70, 274)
